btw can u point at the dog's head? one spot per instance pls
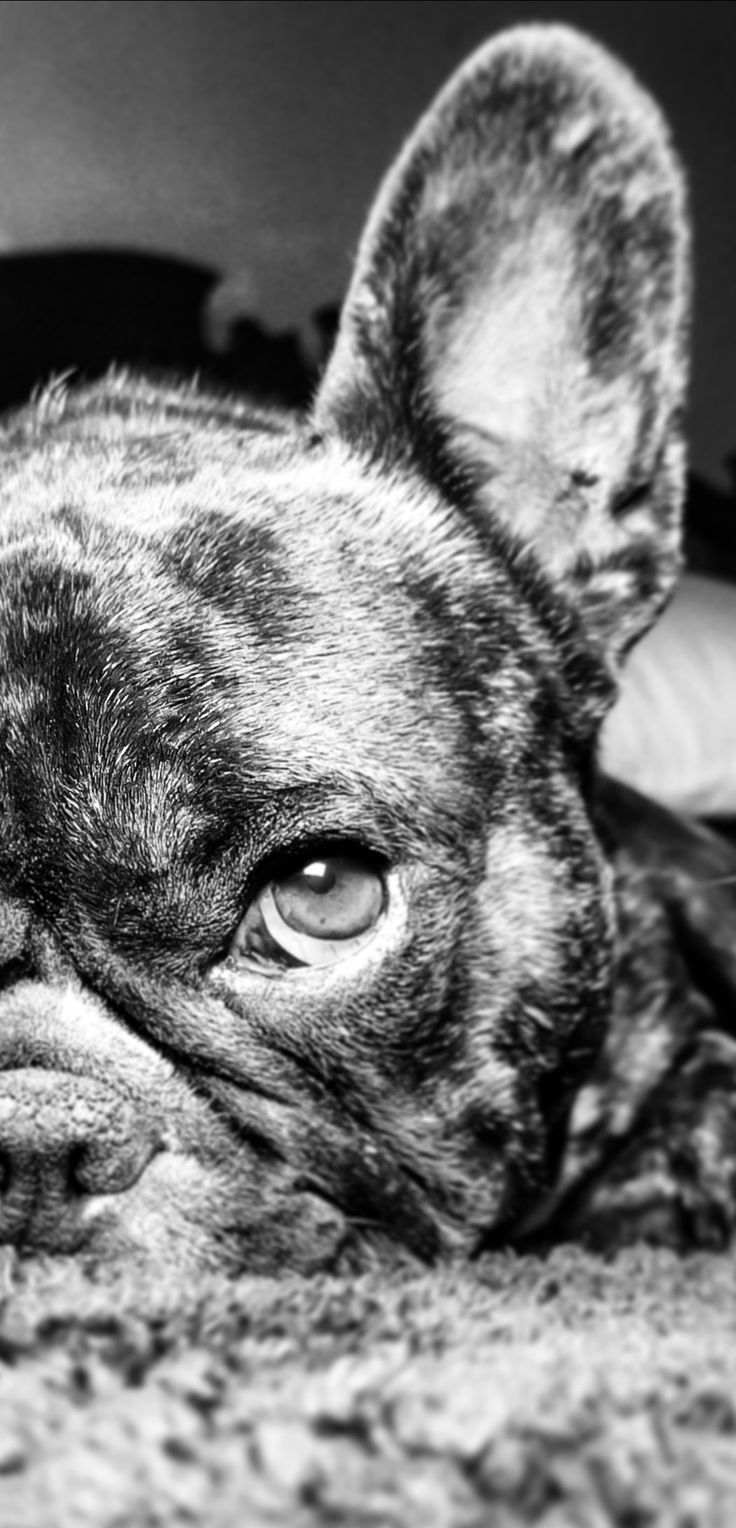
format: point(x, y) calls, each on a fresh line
point(305, 934)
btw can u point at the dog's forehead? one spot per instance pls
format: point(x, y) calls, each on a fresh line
point(183, 626)
point(220, 566)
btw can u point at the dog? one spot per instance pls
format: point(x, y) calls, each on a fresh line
point(322, 937)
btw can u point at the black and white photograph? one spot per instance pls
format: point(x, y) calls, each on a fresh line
point(367, 764)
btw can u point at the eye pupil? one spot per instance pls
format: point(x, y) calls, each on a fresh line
point(319, 878)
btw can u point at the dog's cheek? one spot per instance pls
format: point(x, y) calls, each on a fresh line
point(468, 1052)
point(455, 1054)
point(539, 976)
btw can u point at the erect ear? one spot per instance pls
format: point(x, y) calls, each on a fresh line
point(516, 323)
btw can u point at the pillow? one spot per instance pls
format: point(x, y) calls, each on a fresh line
point(672, 733)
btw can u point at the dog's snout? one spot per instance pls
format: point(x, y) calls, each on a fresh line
point(63, 1139)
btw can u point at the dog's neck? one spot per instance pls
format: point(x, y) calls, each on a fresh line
point(674, 995)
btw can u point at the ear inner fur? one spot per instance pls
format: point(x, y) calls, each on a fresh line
point(516, 322)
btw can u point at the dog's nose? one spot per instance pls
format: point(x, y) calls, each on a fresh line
point(63, 1139)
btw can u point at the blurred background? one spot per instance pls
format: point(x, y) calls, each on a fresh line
point(184, 181)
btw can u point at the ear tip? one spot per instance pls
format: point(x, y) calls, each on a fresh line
point(554, 73)
point(558, 50)
point(553, 46)
point(548, 53)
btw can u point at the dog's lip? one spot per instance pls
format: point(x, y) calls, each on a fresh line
point(64, 1232)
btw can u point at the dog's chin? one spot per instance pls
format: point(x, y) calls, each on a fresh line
point(182, 1219)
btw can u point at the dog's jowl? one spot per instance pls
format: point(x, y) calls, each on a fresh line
point(319, 934)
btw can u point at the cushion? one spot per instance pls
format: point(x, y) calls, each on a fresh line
point(672, 733)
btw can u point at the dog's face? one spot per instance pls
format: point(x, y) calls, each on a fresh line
point(304, 927)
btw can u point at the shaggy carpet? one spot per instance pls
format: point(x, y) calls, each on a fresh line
point(564, 1391)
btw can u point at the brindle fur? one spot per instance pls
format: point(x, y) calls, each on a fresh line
point(399, 624)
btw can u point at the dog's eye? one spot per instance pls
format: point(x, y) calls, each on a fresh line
point(314, 915)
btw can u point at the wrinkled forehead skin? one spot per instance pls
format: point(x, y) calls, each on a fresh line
point(196, 620)
point(219, 637)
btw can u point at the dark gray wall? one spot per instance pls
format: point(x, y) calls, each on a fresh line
point(251, 133)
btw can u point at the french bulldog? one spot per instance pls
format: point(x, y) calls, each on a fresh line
point(322, 938)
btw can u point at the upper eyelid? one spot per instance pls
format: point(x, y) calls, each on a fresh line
point(329, 808)
point(289, 857)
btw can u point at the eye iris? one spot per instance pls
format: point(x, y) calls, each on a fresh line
point(330, 899)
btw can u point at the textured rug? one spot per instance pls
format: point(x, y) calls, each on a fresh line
point(568, 1392)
